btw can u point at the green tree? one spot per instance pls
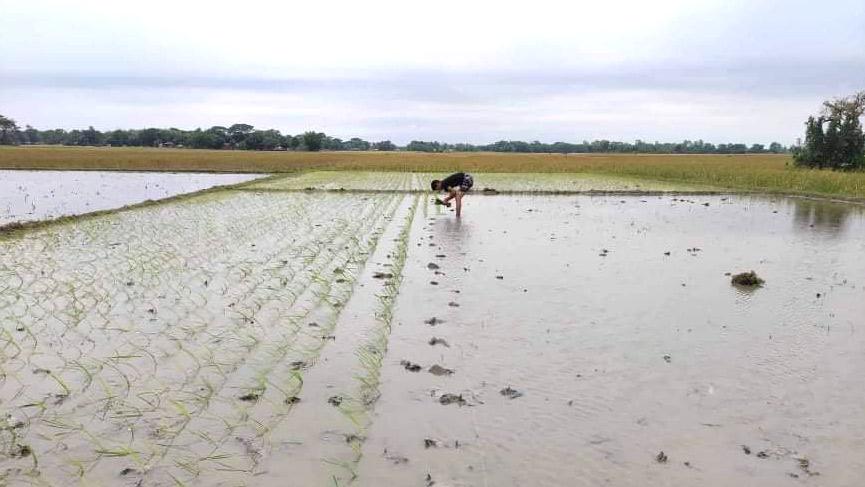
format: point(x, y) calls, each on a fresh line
point(757, 148)
point(313, 141)
point(149, 137)
point(91, 136)
point(238, 133)
point(117, 138)
point(8, 131)
point(384, 145)
point(841, 145)
point(31, 135)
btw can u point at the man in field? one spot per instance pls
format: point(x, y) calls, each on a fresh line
point(456, 185)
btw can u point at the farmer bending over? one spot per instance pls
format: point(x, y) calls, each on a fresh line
point(456, 185)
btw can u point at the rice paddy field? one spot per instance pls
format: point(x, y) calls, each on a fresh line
point(338, 328)
point(760, 173)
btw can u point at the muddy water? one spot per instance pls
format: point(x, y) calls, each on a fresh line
point(37, 195)
point(621, 352)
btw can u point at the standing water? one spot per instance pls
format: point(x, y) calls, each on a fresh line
point(38, 195)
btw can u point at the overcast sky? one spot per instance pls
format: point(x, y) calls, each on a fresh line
point(451, 70)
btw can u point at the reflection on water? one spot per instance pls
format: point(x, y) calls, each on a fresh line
point(453, 236)
point(827, 217)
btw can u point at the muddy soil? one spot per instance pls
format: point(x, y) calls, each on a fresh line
point(613, 349)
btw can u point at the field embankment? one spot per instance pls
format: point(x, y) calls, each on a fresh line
point(764, 173)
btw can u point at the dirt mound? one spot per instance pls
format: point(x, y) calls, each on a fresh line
point(747, 279)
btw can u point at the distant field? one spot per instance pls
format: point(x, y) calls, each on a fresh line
point(767, 173)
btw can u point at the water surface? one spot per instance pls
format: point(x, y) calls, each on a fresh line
point(39, 195)
point(616, 320)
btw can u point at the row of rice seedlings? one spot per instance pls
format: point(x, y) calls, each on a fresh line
point(261, 382)
point(279, 395)
point(372, 352)
point(66, 393)
point(338, 180)
point(252, 342)
point(113, 394)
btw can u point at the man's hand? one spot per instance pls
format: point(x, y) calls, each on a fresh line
point(444, 203)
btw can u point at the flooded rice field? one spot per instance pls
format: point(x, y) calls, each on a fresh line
point(39, 195)
point(249, 337)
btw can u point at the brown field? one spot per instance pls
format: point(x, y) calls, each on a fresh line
point(763, 173)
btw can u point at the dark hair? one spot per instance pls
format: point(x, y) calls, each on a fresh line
point(435, 184)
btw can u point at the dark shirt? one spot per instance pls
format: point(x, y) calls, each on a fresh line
point(453, 181)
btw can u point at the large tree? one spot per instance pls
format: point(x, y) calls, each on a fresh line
point(835, 139)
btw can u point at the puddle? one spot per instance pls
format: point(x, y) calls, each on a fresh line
point(39, 195)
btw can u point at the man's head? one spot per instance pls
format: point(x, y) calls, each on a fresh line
point(436, 185)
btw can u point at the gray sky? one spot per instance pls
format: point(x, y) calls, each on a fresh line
point(451, 70)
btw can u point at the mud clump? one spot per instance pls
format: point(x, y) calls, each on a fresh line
point(434, 321)
point(334, 400)
point(746, 449)
point(438, 341)
point(430, 443)
point(382, 275)
point(661, 457)
point(252, 396)
point(454, 304)
point(457, 399)
point(439, 370)
point(20, 451)
point(353, 438)
point(668, 358)
point(291, 400)
point(409, 366)
point(298, 364)
point(395, 459)
point(432, 266)
point(747, 279)
point(510, 393)
point(805, 465)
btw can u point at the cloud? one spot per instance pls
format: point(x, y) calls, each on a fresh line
point(463, 71)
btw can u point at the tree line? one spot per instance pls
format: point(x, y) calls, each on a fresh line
point(238, 136)
point(834, 140)
point(601, 146)
point(246, 137)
